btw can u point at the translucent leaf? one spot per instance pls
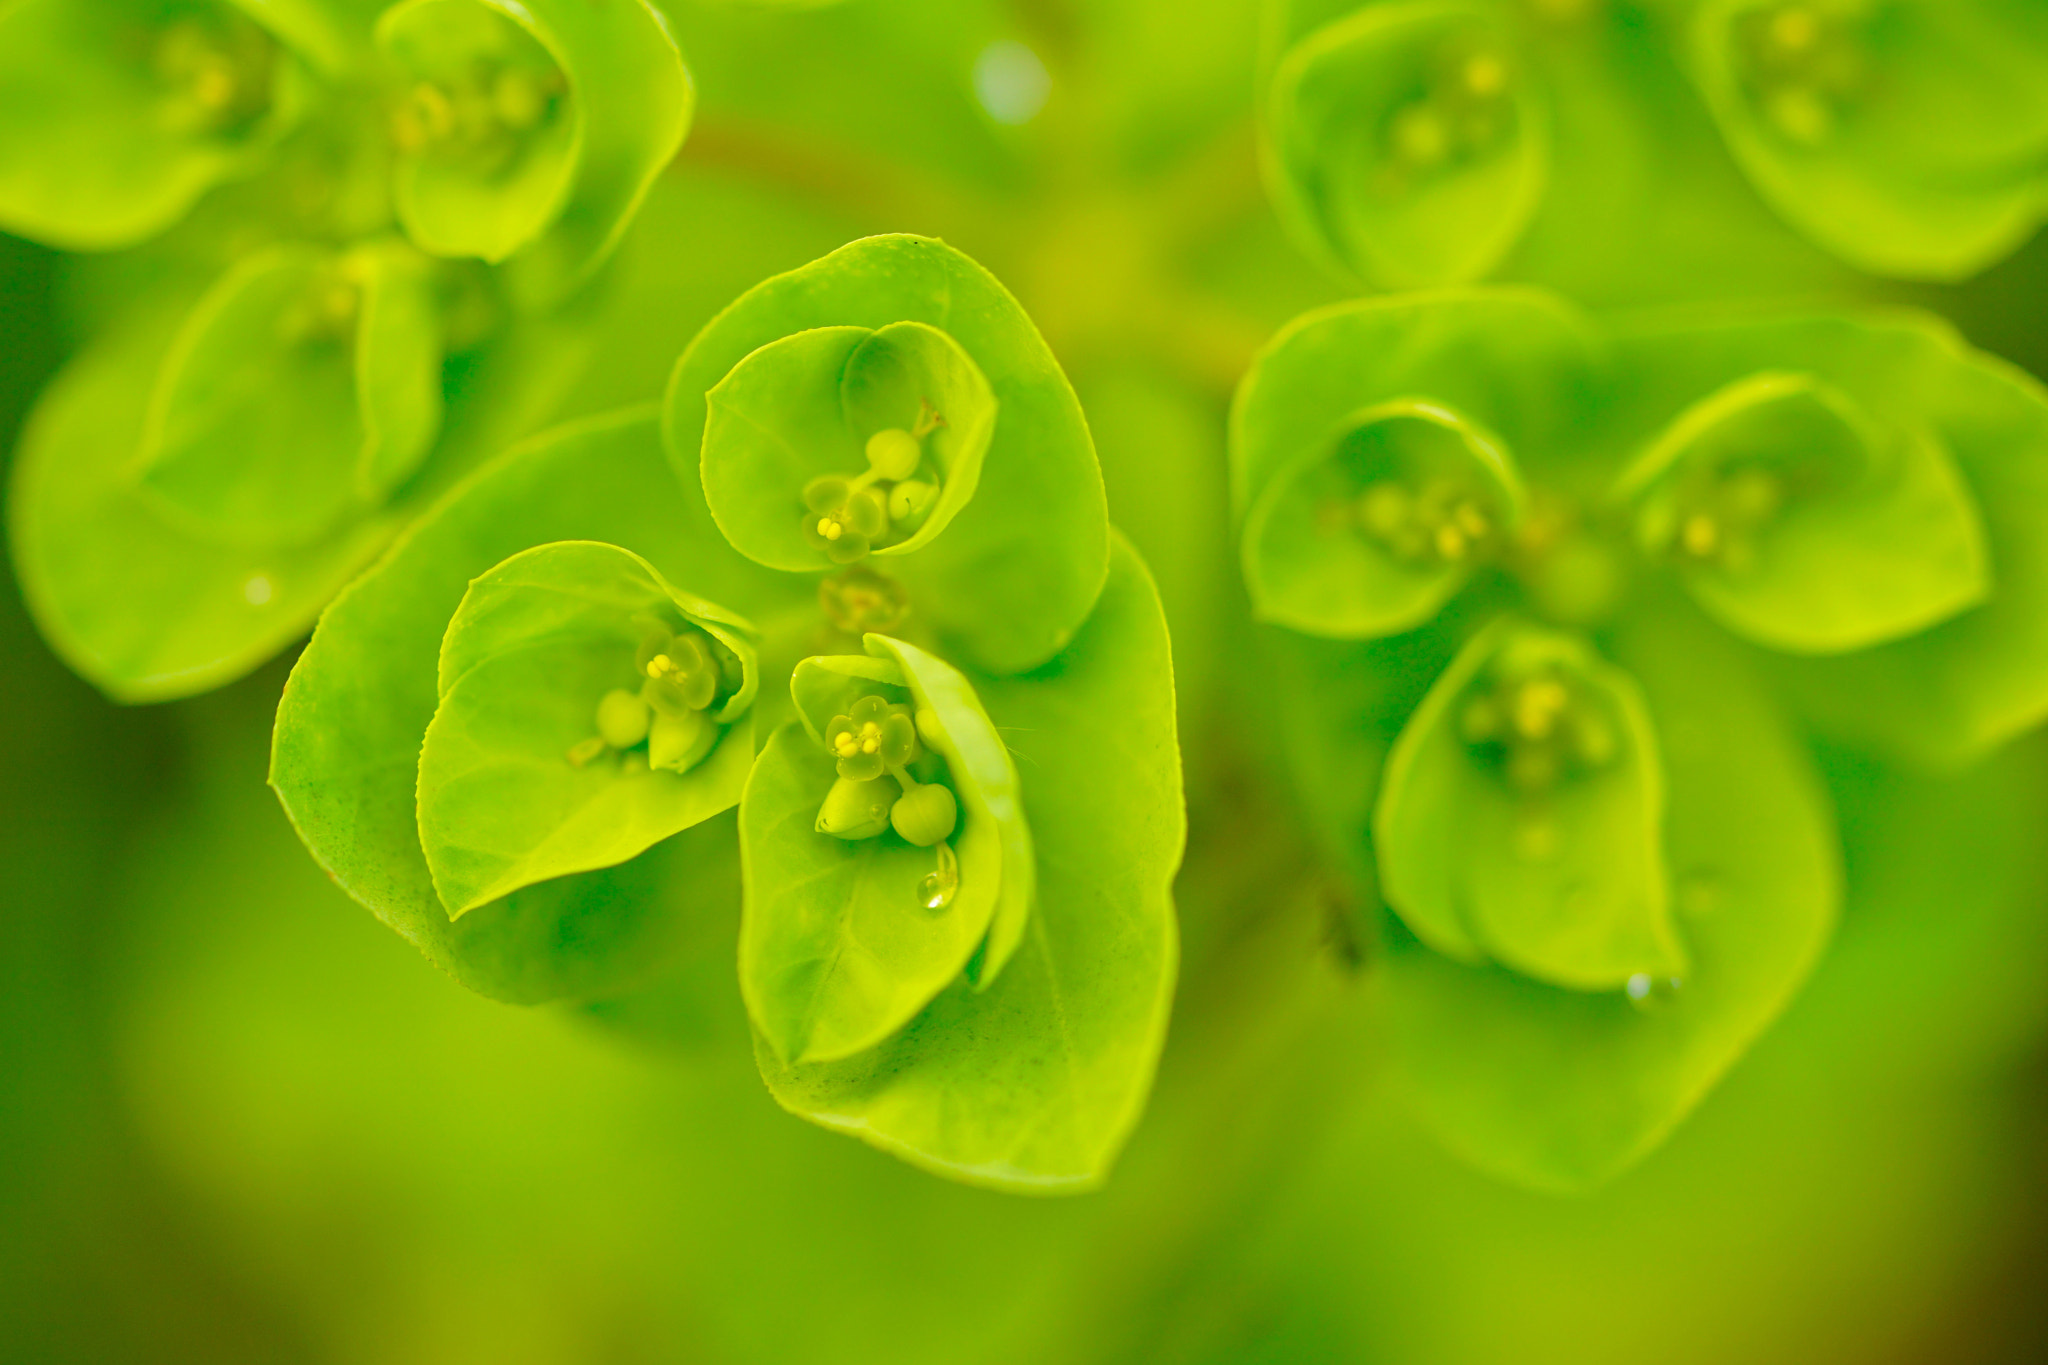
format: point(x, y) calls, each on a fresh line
point(1521, 815)
point(1562, 1089)
point(1372, 532)
point(115, 117)
point(1408, 142)
point(1910, 137)
point(1019, 567)
point(1035, 1083)
point(353, 716)
point(532, 129)
point(1800, 523)
point(535, 646)
point(304, 388)
point(806, 406)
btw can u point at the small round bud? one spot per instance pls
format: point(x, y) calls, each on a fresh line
point(894, 453)
point(856, 809)
point(678, 743)
point(910, 502)
point(925, 815)
point(623, 719)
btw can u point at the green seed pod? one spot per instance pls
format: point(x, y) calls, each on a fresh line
point(910, 501)
point(856, 809)
point(926, 815)
point(894, 453)
point(622, 718)
point(678, 743)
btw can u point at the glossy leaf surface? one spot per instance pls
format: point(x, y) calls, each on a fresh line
point(362, 695)
point(1034, 1084)
point(302, 390)
point(1521, 815)
point(1799, 523)
point(1408, 142)
point(1018, 568)
point(536, 644)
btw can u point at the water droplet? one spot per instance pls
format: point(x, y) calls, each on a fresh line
point(257, 591)
point(940, 885)
point(1648, 992)
point(1011, 82)
point(1639, 986)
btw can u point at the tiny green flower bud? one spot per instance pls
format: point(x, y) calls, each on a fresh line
point(861, 600)
point(894, 453)
point(910, 502)
point(925, 815)
point(856, 809)
point(677, 743)
point(622, 718)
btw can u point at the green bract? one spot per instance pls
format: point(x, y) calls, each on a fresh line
point(1030, 1080)
point(1407, 142)
point(116, 116)
point(1521, 815)
point(363, 695)
point(1908, 136)
point(1803, 525)
point(1009, 578)
point(1585, 765)
point(540, 661)
point(532, 128)
point(884, 431)
point(303, 389)
point(851, 929)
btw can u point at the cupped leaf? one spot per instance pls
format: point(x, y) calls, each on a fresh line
point(533, 129)
point(1800, 523)
point(1977, 679)
point(1408, 142)
point(1374, 531)
point(303, 389)
point(143, 610)
point(1034, 1084)
point(807, 408)
point(1019, 567)
point(115, 117)
point(1563, 1089)
point(1521, 815)
point(839, 943)
point(350, 724)
point(951, 720)
point(509, 792)
point(1908, 137)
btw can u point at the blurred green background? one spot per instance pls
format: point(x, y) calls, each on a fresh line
point(241, 1121)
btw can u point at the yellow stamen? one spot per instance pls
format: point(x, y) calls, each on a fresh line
point(1701, 535)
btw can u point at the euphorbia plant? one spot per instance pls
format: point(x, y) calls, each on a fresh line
point(517, 738)
point(391, 199)
point(1562, 600)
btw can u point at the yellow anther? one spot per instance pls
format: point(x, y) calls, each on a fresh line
point(1450, 542)
point(1485, 75)
point(1794, 29)
point(844, 745)
point(871, 744)
point(830, 529)
point(1538, 705)
point(213, 85)
point(1472, 521)
point(659, 665)
point(1701, 535)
